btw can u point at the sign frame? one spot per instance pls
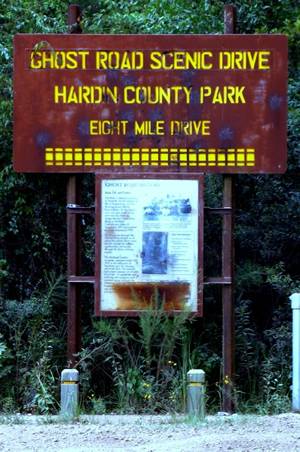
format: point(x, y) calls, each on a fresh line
point(99, 243)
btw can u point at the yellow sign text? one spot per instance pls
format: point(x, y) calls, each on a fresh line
point(201, 127)
point(59, 59)
point(245, 60)
point(222, 94)
point(85, 94)
point(156, 94)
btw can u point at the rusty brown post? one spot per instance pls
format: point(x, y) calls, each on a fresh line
point(227, 294)
point(228, 263)
point(73, 235)
point(74, 18)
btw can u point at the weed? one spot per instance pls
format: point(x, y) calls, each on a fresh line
point(32, 339)
point(142, 358)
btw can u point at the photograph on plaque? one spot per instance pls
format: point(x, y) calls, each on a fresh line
point(149, 232)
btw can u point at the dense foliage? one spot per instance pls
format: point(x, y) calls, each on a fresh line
point(33, 245)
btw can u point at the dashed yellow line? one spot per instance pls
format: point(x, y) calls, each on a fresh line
point(183, 157)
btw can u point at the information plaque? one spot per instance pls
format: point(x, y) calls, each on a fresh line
point(149, 245)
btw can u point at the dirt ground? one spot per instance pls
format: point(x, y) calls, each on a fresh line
point(150, 433)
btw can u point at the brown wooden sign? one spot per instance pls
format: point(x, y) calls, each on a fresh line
point(181, 104)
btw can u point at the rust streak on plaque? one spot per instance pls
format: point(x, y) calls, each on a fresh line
point(140, 296)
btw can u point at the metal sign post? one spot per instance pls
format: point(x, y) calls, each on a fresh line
point(228, 262)
point(73, 235)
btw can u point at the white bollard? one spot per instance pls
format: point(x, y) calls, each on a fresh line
point(69, 392)
point(295, 299)
point(196, 393)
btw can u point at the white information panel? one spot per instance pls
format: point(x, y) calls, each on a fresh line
point(149, 244)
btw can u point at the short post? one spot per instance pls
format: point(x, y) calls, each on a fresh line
point(196, 393)
point(69, 392)
point(295, 299)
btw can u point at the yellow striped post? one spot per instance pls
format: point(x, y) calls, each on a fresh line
point(69, 392)
point(196, 393)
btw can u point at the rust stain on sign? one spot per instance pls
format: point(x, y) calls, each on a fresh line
point(138, 296)
point(189, 103)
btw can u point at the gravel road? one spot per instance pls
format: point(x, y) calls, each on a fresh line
point(150, 434)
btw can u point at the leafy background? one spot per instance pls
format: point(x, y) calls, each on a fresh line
point(140, 365)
